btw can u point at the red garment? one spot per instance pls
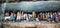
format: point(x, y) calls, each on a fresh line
point(59, 17)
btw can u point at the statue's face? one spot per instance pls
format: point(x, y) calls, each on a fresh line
point(41, 13)
point(18, 12)
point(55, 12)
point(33, 12)
point(12, 13)
point(58, 12)
point(7, 14)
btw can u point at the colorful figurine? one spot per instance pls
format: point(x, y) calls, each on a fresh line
point(49, 16)
point(41, 16)
point(46, 16)
point(7, 16)
point(12, 16)
point(34, 15)
point(18, 16)
point(54, 16)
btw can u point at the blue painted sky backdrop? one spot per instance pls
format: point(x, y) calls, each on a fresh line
point(35, 6)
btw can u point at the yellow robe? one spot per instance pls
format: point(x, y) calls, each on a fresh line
point(33, 15)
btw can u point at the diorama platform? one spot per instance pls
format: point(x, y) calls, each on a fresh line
point(42, 24)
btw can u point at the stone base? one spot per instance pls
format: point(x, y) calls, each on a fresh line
point(31, 25)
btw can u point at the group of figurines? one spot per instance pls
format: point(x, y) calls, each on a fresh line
point(21, 16)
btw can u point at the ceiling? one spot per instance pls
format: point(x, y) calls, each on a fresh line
point(29, 6)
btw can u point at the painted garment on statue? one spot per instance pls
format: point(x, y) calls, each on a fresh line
point(12, 17)
point(59, 16)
